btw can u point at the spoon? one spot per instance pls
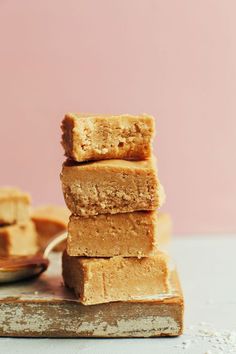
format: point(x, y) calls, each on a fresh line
point(16, 268)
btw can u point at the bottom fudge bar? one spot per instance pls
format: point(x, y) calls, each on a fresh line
point(14, 206)
point(50, 220)
point(100, 280)
point(128, 235)
point(18, 239)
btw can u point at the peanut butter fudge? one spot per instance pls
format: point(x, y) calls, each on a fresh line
point(98, 137)
point(111, 186)
point(100, 280)
point(14, 206)
point(50, 220)
point(127, 234)
point(18, 239)
point(164, 227)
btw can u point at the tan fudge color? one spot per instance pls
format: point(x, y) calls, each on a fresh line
point(128, 234)
point(111, 187)
point(18, 239)
point(14, 206)
point(50, 220)
point(164, 227)
point(100, 280)
point(98, 137)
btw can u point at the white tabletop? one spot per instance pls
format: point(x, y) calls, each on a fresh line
point(206, 267)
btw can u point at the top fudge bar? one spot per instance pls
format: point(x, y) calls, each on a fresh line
point(14, 206)
point(97, 137)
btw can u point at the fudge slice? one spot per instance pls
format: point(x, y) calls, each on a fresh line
point(14, 206)
point(18, 239)
point(100, 280)
point(128, 234)
point(164, 227)
point(111, 187)
point(50, 220)
point(98, 137)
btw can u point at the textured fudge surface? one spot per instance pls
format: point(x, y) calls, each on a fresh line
point(98, 137)
point(50, 220)
point(18, 239)
point(111, 186)
point(128, 234)
point(100, 280)
point(14, 206)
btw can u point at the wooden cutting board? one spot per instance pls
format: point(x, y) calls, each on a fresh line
point(43, 307)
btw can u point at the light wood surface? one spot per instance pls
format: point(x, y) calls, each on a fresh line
point(45, 308)
point(206, 265)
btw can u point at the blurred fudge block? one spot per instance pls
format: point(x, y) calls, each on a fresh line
point(18, 239)
point(164, 228)
point(50, 220)
point(14, 206)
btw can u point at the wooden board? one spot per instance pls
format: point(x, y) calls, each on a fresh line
point(43, 307)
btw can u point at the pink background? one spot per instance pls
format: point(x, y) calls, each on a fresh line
point(174, 59)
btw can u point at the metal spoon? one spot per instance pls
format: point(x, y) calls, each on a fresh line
point(16, 268)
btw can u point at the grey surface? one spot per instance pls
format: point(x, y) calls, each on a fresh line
point(207, 267)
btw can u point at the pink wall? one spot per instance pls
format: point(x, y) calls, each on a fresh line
point(174, 59)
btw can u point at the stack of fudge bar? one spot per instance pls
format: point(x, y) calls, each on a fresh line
point(111, 187)
point(18, 235)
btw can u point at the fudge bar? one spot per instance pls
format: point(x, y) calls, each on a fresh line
point(14, 206)
point(111, 187)
point(164, 227)
point(100, 280)
point(18, 239)
point(128, 234)
point(50, 220)
point(98, 137)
